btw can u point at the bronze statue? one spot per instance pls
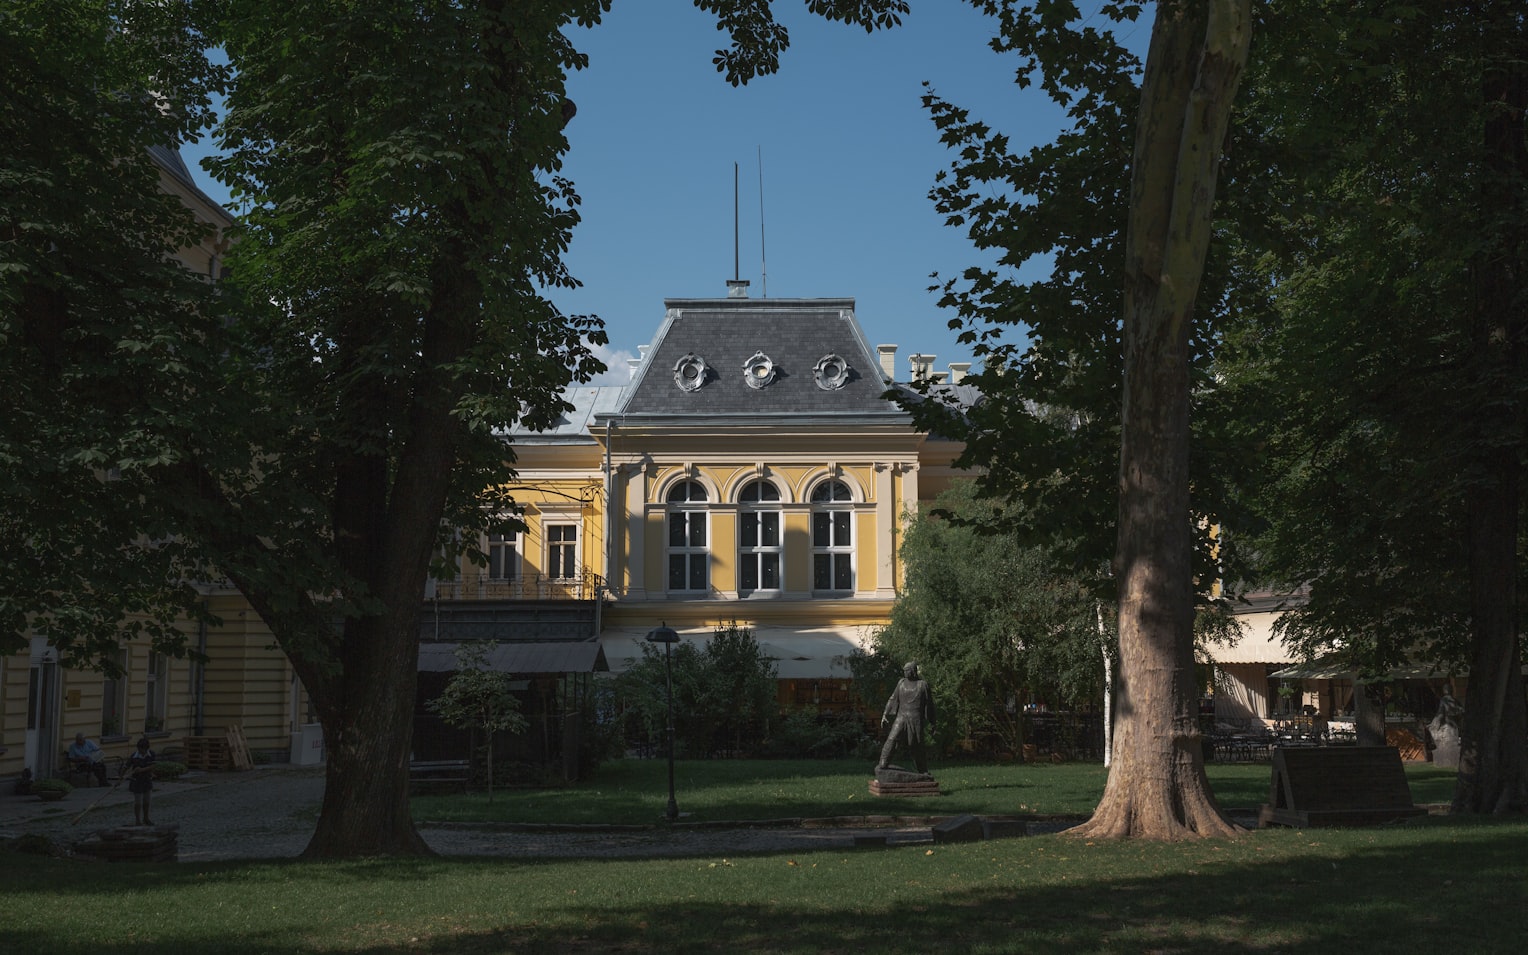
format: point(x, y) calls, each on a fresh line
point(911, 713)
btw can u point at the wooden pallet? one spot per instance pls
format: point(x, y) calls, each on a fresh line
point(206, 753)
point(238, 749)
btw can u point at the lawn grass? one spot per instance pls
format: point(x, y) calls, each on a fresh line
point(635, 792)
point(1436, 884)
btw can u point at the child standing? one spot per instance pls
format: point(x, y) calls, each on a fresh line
point(140, 782)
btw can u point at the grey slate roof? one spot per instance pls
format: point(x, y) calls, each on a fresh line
point(170, 160)
point(574, 426)
point(794, 333)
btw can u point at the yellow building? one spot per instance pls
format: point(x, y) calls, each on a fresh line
point(750, 471)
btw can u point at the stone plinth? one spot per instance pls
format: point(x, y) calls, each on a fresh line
point(895, 781)
point(132, 844)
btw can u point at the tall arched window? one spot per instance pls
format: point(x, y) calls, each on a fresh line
point(759, 548)
point(832, 538)
point(688, 559)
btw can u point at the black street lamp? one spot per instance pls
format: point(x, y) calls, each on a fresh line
point(667, 636)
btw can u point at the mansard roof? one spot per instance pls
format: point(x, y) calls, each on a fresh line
point(805, 358)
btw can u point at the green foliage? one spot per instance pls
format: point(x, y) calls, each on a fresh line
point(167, 770)
point(51, 785)
point(805, 734)
point(724, 694)
point(479, 698)
point(758, 38)
point(1361, 357)
point(106, 341)
point(1046, 321)
point(989, 621)
point(403, 212)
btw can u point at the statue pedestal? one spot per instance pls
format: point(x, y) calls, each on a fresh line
point(894, 781)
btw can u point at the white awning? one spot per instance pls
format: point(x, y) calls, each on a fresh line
point(1325, 669)
point(1257, 643)
point(799, 653)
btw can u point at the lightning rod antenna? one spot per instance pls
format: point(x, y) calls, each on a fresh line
point(763, 262)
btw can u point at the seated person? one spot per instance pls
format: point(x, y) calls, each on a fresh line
point(85, 756)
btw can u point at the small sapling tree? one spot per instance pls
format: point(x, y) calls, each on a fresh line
point(479, 698)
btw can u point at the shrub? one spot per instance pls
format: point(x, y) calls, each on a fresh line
point(805, 735)
point(41, 786)
point(724, 695)
point(165, 769)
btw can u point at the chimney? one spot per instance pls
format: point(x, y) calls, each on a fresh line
point(737, 288)
point(888, 358)
point(939, 377)
point(634, 364)
point(922, 365)
point(958, 371)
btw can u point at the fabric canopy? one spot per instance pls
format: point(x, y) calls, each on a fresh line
point(1257, 643)
point(799, 653)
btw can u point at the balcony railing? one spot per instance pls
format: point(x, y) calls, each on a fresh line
point(586, 586)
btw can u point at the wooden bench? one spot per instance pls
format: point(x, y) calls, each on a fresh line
point(1315, 787)
point(428, 773)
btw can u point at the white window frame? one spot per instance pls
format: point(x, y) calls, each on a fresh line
point(759, 505)
point(832, 503)
point(559, 545)
point(502, 548)
point(687, 508)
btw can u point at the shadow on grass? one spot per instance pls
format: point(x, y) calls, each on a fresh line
point(1446, 887)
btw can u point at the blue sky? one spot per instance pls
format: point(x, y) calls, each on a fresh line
point(848, 158)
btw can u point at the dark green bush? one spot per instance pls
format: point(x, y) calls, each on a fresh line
point(806, 735)
point(166, 769)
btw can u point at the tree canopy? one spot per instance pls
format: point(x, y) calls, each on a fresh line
point(992, 626)
point(1380, 185)
point(107, 343)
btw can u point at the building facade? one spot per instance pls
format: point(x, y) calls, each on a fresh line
point(751, 471)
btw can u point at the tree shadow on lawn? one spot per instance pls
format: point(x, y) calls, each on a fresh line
point(1452, 894)
point(1444, 887)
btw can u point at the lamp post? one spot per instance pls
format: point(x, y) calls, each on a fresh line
point(667, 636)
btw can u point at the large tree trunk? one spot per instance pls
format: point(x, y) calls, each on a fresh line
point(1493, 740)
point(1493, 753)
point(386, 516)
point(368, 733)
point(1157, 786)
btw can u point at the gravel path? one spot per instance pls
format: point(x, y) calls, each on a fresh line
point(270, 813)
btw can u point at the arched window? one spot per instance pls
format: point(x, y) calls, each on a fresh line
point(832, 538)
point(759, 549)
point(688, 559)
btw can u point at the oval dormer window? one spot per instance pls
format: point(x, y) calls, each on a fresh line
point(759, 370)
point(831, 373)
point(690, 372)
